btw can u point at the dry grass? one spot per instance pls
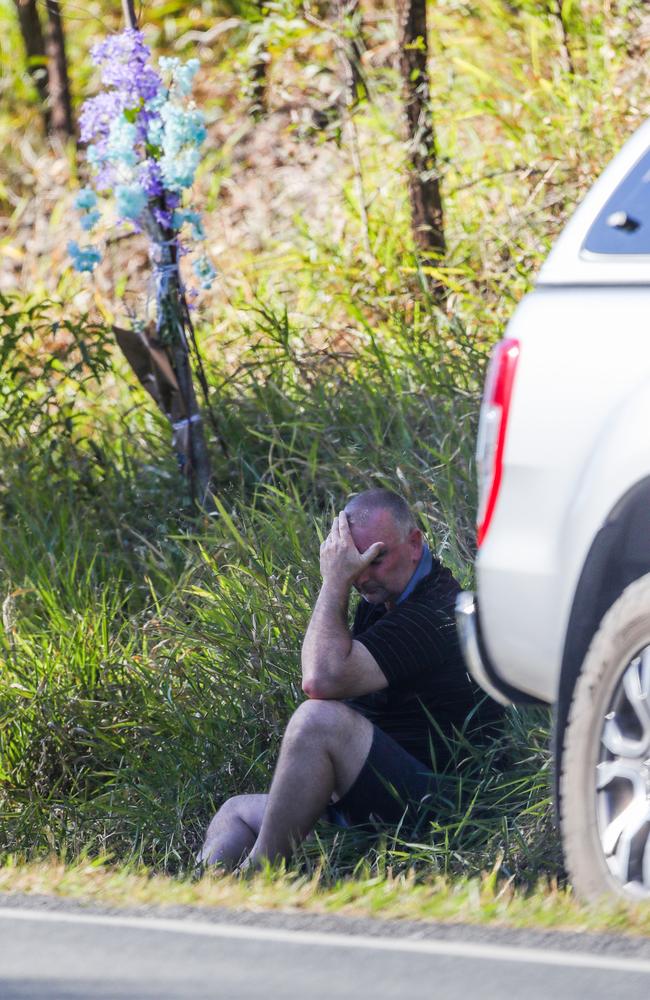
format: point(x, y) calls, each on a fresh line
point(488, 901)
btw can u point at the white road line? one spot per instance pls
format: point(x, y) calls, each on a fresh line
point(459, 949)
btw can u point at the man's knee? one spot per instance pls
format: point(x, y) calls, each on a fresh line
point(239, 807)
point(231, 807)
point(321, 721)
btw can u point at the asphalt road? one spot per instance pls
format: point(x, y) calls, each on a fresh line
point(68, 953)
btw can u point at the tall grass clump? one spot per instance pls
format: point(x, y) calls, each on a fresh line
point(150, 664)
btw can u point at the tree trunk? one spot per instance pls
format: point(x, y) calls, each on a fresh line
point(61, 121)
point(189, 435)
point(259, 85)
point(259, 73)
point(30, 29)
point(130, 17)
point(424, 184)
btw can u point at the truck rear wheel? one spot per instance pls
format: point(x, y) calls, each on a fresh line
point(605, 780)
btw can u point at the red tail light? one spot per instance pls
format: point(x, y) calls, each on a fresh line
point(492, 429)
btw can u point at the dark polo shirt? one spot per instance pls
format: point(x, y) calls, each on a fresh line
point(429, 691)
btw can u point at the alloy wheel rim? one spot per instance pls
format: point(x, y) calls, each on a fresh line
point(623, 779)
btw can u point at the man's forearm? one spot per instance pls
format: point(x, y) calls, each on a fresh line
point(328, 640)
point(328, 668)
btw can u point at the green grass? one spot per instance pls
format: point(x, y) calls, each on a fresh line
point(150, 665)
point(149, 659)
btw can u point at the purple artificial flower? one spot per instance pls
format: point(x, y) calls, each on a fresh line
point(163, 217)
point(106, 178)
point(123, 59)
point(97, 114)
point(149, 178)
point(146, 121)
point(164, 213)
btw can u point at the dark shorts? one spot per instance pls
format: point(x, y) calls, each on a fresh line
point(391, 788)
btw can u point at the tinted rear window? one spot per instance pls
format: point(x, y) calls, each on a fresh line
point(623, 225)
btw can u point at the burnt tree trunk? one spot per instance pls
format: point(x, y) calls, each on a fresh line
point(61, 120)
point(32, 33)
point(423, 181)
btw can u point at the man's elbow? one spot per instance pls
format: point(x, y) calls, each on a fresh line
point(320, 688)
point(309, 687)
point(326, 679)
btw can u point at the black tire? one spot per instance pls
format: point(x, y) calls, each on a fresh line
point(607, 712)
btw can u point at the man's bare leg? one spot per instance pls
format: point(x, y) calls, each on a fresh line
point(324, 748)
point(233, 830)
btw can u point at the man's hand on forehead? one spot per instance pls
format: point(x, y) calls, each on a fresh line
point(342, 524)
point(340, 560)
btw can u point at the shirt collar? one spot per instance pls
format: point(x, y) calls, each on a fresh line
point(422, 569)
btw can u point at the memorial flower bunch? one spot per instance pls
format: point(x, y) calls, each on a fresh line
point(144, 137)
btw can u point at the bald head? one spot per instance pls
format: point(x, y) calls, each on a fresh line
point(364, 506)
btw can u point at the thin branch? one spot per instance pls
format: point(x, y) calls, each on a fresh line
point(130, 16)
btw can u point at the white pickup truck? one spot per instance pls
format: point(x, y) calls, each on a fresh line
point(561, 612)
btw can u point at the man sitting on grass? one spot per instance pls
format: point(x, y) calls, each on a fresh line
point(383, 698)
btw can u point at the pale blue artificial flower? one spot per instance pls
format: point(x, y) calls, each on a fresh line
point(168, 64)
point(90, 219)
point(86, 198)
point(122, 138)
point(178, 169)
point(182, 128)
point(83, 258)
point(155, 103)
point(184, 76)
point(155, 132)
point(130, 201)
point(191, 218)
point(204, 271)
point(94, 156)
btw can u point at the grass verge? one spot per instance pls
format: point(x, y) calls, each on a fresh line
point(489, 900)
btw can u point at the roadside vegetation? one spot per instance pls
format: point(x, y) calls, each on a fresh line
point(149, 657)
point(374, 891)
